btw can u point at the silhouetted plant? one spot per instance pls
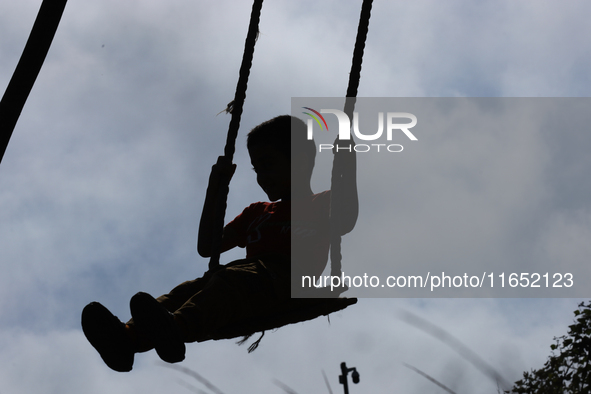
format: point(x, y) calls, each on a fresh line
point(568, 369)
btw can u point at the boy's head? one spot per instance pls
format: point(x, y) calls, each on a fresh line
point(273, 147)
point(283, 132)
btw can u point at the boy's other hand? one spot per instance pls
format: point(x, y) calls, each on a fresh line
point(343, 158)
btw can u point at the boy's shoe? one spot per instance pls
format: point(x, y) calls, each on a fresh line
point(158, 324)
point(106, 333)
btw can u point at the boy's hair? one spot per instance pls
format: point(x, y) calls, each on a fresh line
point(283, 133)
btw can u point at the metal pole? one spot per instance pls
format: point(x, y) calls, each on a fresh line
point(343, 378)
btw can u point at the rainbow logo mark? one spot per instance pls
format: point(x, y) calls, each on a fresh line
point(315, 118)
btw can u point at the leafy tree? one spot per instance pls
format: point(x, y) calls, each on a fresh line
point(568, 369)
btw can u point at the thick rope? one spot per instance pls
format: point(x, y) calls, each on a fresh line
point(355, 75)
point(240, 96)
point(28, 68)
point(337, 170)
point(236, 111)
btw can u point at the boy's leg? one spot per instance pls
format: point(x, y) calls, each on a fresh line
point(158, 326)
point(245, 289)
point(107, 334)
point(116, 341)
point(171, 302)
point(182, 293)
point(234, 293)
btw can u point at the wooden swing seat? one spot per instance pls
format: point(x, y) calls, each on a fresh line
point(318, 302)
point(296, 310)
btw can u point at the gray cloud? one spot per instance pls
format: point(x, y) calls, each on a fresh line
point(101, 185)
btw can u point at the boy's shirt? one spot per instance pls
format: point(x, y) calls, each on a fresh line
point(268, 228)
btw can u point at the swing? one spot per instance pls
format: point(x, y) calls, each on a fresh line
point(300, 309)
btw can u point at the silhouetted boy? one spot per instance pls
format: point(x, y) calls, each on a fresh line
point(244, 288)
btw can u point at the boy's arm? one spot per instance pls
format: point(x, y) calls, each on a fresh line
point(344, 201)
point(221, 173)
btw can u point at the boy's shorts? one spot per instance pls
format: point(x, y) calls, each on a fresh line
point(241, 289)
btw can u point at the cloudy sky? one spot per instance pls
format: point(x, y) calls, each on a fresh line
point(102, 184)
